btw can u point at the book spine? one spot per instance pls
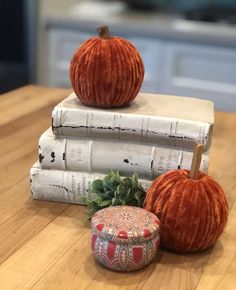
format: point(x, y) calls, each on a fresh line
point(99, 156)
point(64, 186)
point(157, 130)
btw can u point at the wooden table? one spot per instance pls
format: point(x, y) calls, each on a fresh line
point(45, 245)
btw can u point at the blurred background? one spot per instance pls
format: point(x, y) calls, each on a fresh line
point(188, 46)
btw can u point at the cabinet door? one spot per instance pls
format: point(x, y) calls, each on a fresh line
point(61, 47)
point(151, 52)
point(202, 71)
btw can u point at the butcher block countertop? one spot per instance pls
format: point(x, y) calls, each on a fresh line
point(46, 245)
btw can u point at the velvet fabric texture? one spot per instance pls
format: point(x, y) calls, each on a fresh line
point(106, 73)
point(193, 213)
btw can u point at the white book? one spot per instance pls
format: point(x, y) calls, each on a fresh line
point(150, 118)
point(96, 155)
point(64, 186)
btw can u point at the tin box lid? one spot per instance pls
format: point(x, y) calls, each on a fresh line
point(125, 224)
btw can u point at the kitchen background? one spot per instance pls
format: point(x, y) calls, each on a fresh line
point(188, 46)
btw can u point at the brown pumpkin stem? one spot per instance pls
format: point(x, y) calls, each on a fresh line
point(197, 156)
point(104, 32)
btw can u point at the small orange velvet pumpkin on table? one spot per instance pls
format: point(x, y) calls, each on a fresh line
point(106, 71)
point(191, 206)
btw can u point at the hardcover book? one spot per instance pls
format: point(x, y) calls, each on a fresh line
point(64, 186)
point(151, 118)
point(97, 155)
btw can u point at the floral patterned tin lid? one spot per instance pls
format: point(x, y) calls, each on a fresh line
point(125, 224)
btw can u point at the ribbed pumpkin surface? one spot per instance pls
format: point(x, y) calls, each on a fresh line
point(106, 72)
point(193, 213)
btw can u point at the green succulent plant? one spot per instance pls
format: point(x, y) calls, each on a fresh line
point(114, 190)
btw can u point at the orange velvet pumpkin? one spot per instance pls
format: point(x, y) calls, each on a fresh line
point(193, 213)
point(106, 71)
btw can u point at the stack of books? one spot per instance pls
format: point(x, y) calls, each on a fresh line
point(152, 135)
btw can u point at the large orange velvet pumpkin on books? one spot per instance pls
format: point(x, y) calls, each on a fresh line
point(192, 209)
point(106, 71)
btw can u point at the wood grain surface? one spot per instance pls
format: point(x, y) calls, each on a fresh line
point(45, 245)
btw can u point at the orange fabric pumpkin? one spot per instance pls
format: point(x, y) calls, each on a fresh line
point(106, 71)
point(193, 213)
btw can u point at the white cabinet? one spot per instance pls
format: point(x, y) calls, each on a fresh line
point(171, 67)
point(201, 71)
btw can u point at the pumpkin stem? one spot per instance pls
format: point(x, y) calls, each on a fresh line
point(196, 161)
point(104, 32)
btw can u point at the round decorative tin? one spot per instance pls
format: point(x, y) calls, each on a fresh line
point(125, 238)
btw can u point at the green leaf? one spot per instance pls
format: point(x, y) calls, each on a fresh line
point(98, 200)
point(135, 179)
point(108, 194)
point(128, 195)
point(116, 176)
point(90, 202)
point(97, 185)
point(127, 182)
point(138, 196)
point(117, 192)
point(112, 180)
point(107, 185)
point(123, 202)
point(105, 203)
